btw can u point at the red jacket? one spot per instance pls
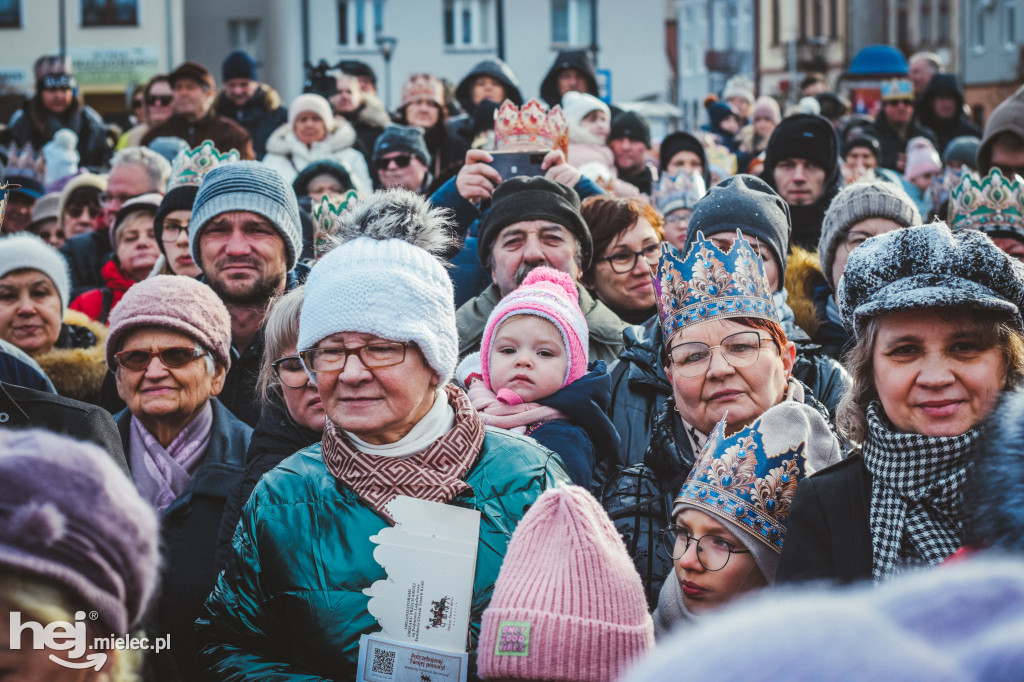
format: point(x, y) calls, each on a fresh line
point(91, 302)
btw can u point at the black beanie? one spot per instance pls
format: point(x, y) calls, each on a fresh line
point(631, 125)
point(537, 198)
point(869, 142)
point(179, 198)
point(748, 204)
point(681, 142)
point(803, 136)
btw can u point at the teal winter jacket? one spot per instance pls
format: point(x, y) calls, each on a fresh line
point(290, 604)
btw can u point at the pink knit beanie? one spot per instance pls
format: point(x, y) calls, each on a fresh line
point(180, 304)
point(921, 158)
point(568, 603)
point(552, 295)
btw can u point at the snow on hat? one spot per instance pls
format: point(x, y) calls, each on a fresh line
point(383, 278)
point(69, 516)
point(929, 267)
point(568, 603)
point(247, 186)
point(26, 251)
point(181, 304)
point(551, 295)
point(921, 158)
point(856, 203)
point(310, 102)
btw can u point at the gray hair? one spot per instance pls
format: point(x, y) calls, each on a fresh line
point(280, 330)
point(158, 170)
point(933, 60)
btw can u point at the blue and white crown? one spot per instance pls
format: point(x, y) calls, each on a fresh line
point(190, 166)
point(739, 480)
point(682, 190)
point(710, 284)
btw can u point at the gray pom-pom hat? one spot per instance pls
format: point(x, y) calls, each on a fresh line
point(929, 267)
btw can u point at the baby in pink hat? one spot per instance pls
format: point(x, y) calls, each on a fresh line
point(531, 374)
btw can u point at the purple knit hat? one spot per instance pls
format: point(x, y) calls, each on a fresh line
point(69, 516)
point(173, 302)
point(568, 603)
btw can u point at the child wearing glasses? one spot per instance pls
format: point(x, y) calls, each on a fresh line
point(729, 519)
point(531, 374)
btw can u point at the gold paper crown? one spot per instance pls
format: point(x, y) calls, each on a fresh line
point(325, 214)
point(24, 163)
point(991, 204)
point(530, 128)
point(422, 86)
point(191, 165)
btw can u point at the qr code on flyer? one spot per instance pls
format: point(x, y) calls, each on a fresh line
point(383, 662)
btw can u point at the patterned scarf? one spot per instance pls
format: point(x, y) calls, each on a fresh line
point(916, 493)
point(506, 410)
point(434, 474)
point(162, 474)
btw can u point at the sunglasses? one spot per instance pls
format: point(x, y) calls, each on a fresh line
point(401, 161)
point(76, 210)
point(136, 103)
point(173, 357)
point(900, 103)
point(162, 100)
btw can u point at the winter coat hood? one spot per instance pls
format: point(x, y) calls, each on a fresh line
point(568, 59)
point(77, 364)
point(496, 69)
point(585, 401)
point(1007, 117)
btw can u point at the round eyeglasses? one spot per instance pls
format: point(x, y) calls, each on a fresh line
point(713, 551)
point(624, 261)
point(693, 358)
point(290, 371)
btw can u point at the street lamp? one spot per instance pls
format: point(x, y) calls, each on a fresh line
point(386, 45)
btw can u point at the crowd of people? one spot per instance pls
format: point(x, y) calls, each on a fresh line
point(681, 382)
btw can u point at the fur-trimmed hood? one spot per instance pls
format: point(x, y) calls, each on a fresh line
point(370, 113)
point(803, 273)
point(78, 372)
point(283, 141)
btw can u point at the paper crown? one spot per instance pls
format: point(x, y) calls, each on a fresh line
point(682, 190)
point(740, 480)
point(24, 163)
point(325, 214)
point(530, 128)
point(991, 204)
point(422, 86)
point(5, 189)
point(897, 88)
point(190, 166)
point(710, 285)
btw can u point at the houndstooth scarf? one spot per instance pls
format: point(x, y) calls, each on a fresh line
point(916, 493)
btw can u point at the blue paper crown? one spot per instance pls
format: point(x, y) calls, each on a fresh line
point(682, 190)
point(736, 480)
point(710, 284)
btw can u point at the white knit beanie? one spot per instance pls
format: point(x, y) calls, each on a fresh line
point(310, 102)
point(25, 251)
point(389, 288)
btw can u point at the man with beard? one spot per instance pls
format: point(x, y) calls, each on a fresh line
point(532, 222)
point(246, 237)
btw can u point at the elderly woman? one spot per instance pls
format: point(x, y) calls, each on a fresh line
point(627, 242)
point(423, 106)
point(135, 253)
point(75, 538)
point(394, 427)
point(34, 288)
point(936, 318)
point(170, 349)
point(726, 356)
point(80, 210)
point(313, 134)
point(293, 415)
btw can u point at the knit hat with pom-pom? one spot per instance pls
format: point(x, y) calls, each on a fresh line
point(552, 295)
point(568, 603)
point(71, 518)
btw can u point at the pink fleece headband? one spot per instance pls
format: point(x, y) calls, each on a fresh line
point(551, 295)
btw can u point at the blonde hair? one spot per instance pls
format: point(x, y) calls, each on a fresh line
point(46, 603)
point(280, 330)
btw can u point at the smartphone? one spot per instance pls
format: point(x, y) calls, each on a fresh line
point(512, 164)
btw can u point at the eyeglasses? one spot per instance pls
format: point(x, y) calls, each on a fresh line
point(173, 357)
point(693, 358)
point(107, 199)
point(162, 100)
point(76, 210)
point(678, 218)
point(290, 371)
point(713, 551)
point(376, 355)
point(173, 231)
point(136, 103)
point(624, 261)
point(401, 161)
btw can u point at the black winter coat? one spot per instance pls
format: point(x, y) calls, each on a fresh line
point(261, 116)
point(892, 143)
point(829, 529)
point(86, 255)
point(188, 538)
point(95, 142)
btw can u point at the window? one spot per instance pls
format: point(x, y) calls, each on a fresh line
point(10, 13)
point(244, 34)
point(467, 24)
point(943, 30)
point(1009, 21)
point(978, 29)
point(572, 22)
point(110, 12)
point(926, 22)
point(359, 23)
point(776, 21)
